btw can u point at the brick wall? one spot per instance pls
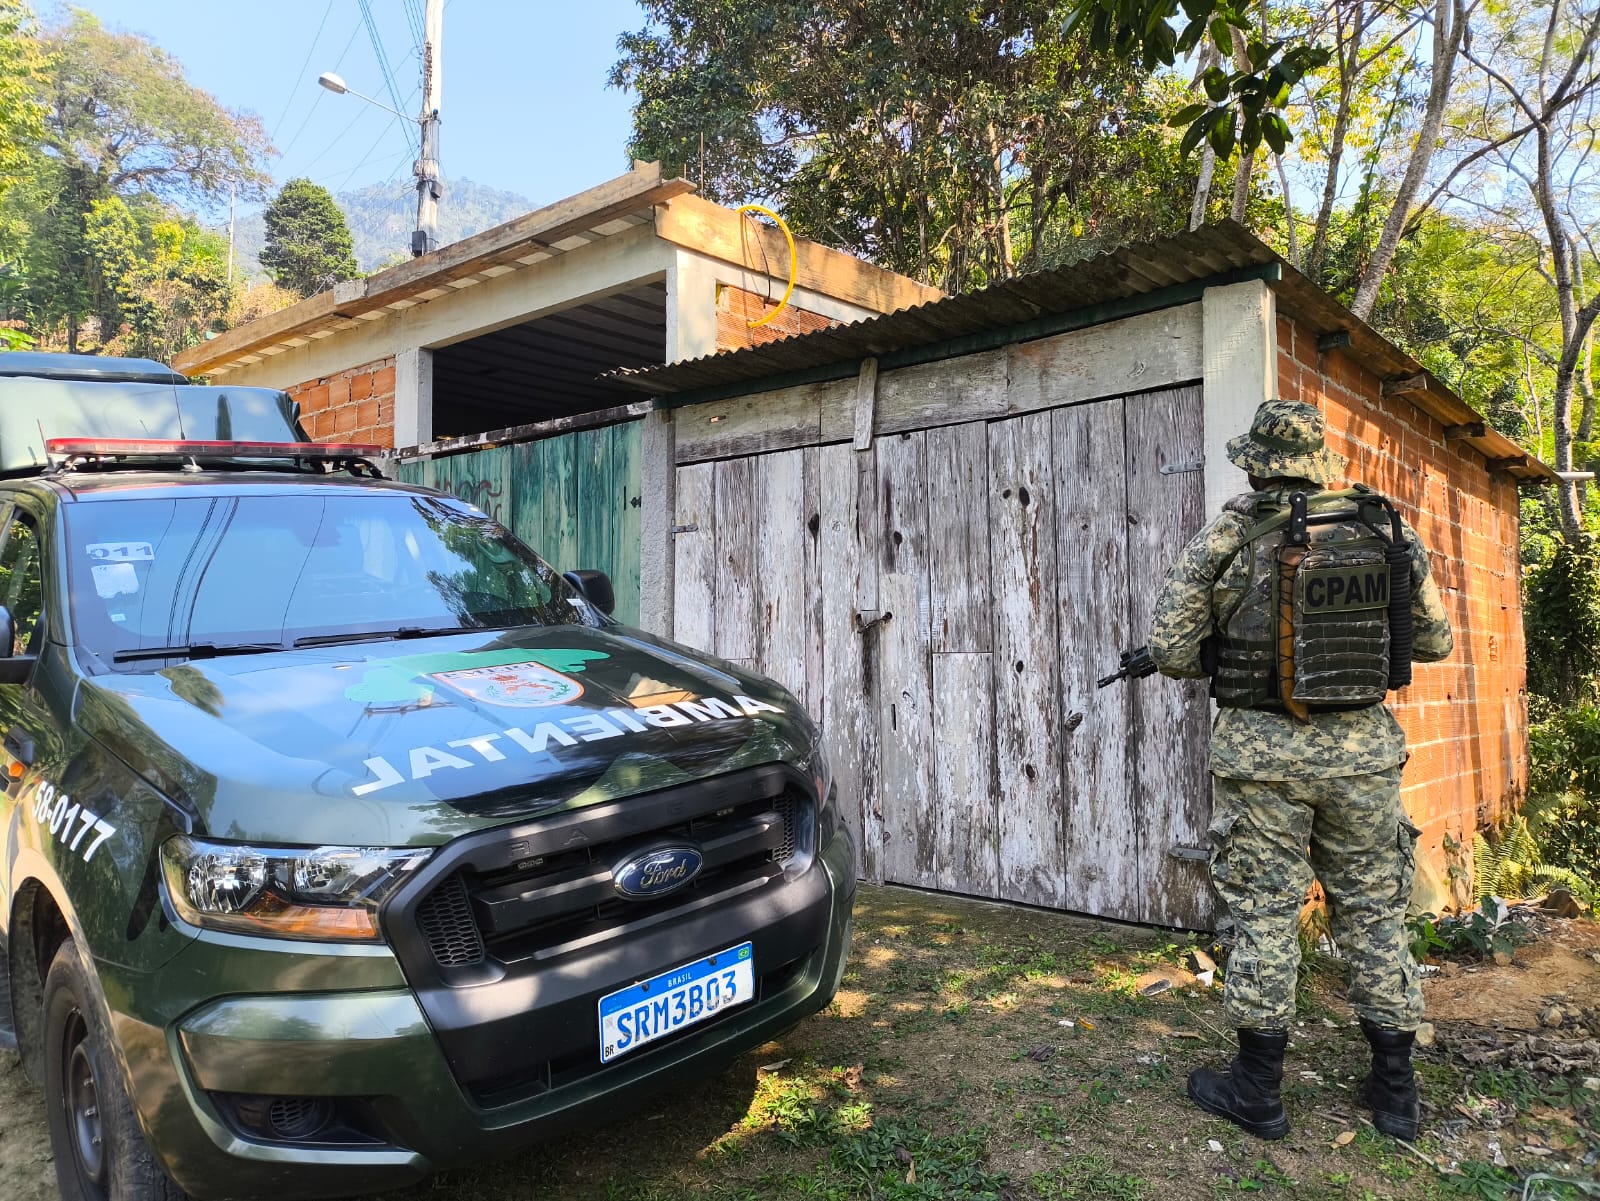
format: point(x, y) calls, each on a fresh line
point(1466, 718)
point(736, 308)
point(353, 406)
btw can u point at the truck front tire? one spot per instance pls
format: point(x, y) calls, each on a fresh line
point(100, 1153)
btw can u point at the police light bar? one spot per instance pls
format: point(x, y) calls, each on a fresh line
point(146, 447)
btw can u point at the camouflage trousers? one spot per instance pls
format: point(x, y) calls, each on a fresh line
point(1362, 849)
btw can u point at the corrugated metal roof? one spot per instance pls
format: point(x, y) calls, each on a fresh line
point(1131, 271)
point(1130, 279)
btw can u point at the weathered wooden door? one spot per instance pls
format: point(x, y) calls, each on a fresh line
point(943, 603)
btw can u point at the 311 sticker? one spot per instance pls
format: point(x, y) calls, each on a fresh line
point(70, 822)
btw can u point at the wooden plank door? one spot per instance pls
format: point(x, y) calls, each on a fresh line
point(1102, 852)
point(1170, 717)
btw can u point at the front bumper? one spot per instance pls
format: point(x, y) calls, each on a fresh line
point(374, 1047)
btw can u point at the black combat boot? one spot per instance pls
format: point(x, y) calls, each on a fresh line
point(1391, 1088)
point(1247, 1093)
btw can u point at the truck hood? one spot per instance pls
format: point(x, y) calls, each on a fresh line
point(415, 742)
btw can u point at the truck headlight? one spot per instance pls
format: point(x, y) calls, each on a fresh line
point(323, 894)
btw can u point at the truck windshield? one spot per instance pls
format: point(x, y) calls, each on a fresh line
point(220, 574)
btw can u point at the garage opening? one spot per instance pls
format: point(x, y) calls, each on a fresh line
point(550, 366)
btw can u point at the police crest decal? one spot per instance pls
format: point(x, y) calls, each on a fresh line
point(514, 685)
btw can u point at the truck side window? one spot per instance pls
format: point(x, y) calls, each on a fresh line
point(21, 586)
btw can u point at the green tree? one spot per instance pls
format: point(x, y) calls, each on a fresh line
point(308, 247)
point(22, 68)
point(121, 120)
point(959, 143)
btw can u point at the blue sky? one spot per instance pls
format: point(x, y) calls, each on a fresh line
point(525, 101)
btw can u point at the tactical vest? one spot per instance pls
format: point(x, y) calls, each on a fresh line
point(1323, 621)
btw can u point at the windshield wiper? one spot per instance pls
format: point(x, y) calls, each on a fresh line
point(382, 635)
point(197, 650)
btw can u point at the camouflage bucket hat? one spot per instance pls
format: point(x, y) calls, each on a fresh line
point(1288, 439)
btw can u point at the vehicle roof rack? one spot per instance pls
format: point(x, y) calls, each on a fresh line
point(87, 367)
point(67, 455)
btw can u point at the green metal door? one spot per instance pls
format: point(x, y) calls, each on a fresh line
point(573, 498)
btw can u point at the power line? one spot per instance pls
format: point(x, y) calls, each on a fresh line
point(301, 73)
point(320, 94)
point(383, 59)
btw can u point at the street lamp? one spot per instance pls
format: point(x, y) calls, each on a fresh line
point(339, 87)
point(426, 168)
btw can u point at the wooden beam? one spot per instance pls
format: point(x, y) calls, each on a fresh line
point(712, 230)
point(1405, 385)
point(1470, 429)
point(1507, 463)
point(866, 403)
point(523, 433)
point(637, 191)
point(1336, 340)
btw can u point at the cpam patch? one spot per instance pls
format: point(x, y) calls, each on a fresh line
point(513, 685)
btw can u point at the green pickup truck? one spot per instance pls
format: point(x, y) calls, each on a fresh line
point(342, 838)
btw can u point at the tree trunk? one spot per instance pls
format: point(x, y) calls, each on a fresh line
point(1449, 26)
point(1585, 378)
point(1349, 60)
point(1241, 186)
point(1288, 216)
point(1210, 56)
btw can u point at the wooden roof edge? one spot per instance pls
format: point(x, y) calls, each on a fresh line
point(637, 190)
point(1305, 301)
point(697, 224)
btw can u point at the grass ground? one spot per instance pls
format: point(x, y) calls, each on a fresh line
point(981, 1051)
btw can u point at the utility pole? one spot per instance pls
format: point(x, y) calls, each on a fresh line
point(429, 185)
point(232, 188)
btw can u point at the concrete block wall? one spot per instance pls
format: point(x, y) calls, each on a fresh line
point(353, 406)
point(1466, 718)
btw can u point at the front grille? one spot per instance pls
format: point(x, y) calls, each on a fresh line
point(542, 903)
point(447, 924)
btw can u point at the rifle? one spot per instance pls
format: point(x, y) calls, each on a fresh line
point(1136, 664)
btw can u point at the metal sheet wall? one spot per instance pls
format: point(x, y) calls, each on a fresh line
point(574, 498)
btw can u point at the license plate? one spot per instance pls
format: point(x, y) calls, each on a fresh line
point(655, 1008)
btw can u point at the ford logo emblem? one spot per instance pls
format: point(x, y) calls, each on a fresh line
point(656, 872)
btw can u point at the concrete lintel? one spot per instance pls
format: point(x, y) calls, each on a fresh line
point(1239, 365)
point(773, 284)
point(605, 267)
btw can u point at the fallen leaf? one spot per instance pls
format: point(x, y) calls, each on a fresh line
point(1086, 1023)
point(776, 1067)
point(852, 1077)
point(1345, 1139)
point(1540, 1152)
point(1042, 1054)
point(902, 1156)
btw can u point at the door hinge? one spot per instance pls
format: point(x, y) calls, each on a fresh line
point(1180, 468)
point(1181, 850)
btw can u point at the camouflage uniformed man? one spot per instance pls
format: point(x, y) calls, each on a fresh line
point(1289, 774)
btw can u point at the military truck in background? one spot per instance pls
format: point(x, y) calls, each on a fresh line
point(343, 838)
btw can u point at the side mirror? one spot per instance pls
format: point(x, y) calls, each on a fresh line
point(596, 588)
point(14, 669)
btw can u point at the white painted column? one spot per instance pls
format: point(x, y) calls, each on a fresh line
point(691, 307)
point(658, 491)
point(691, 333)
point(413, 396)
point(1239, 370)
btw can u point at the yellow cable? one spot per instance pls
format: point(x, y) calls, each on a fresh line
point(794, 259)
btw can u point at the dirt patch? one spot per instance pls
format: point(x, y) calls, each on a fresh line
point(1557, 968)
point(991, 1053)
point(26, 1169)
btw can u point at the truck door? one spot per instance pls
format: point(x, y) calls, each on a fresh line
point(27, 733)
